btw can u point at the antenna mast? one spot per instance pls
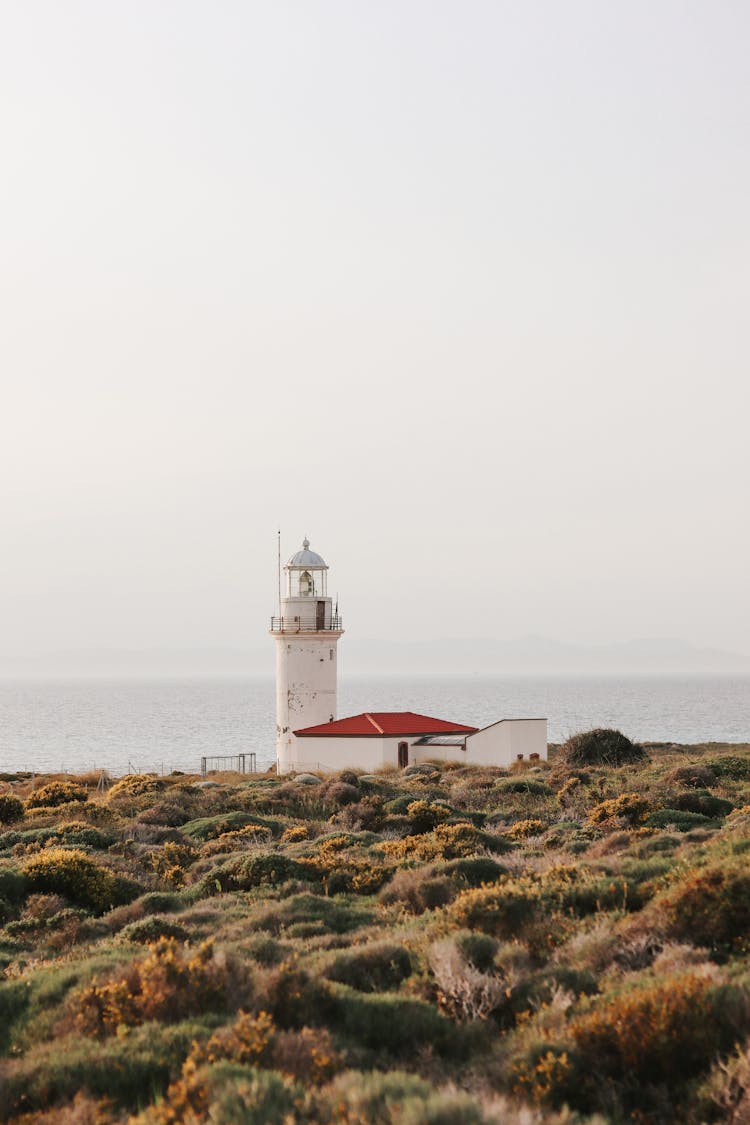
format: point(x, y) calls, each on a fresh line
point(278, 542)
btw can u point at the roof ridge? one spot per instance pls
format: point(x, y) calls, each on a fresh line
point(370, 719)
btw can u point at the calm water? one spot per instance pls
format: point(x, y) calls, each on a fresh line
point(170, 724)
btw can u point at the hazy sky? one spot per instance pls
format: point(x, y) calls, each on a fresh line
point(460, 290)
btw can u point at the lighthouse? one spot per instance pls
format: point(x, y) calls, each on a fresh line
point(306, 635)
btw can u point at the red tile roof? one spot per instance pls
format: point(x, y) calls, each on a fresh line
point(378, 723)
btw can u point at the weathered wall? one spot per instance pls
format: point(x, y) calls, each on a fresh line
point(501, 743)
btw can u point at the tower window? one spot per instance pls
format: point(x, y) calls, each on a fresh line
point(305, 584)
point(330, 654)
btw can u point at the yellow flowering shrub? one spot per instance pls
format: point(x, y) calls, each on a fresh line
point(170, 984)
point(70, 872)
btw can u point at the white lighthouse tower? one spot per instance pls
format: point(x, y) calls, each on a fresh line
point(306, 636)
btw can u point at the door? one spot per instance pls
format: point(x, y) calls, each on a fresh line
point(403, 755)
point(320, 616)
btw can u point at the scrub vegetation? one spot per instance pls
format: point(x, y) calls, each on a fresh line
point(555, 943)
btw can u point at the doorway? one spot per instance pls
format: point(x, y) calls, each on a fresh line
point(320, 615)
point(403, 755)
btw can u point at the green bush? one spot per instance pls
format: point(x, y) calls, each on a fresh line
point(396, 1098)
point(124, 1070)
point(527, 785)
point(334, 917)
point(149, 930)
point(14, 1000)
point(13, 884)
point(731, 766)
point(295, 998)
point(56, 793)
point(11, 808)
point(703, 802)
point(211, 827)
point(601, 747)
point(391, 1023)
point(267, 951)
point(477, 949)
point(380, 967)
point(679, 821)
point(240, 1095)
point(269, 869)
point(474, 872)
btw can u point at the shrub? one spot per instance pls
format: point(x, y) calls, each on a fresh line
point(474, 871)
point(465, 992)
point(478, 949)
point(700, 801)
point(425, 816)
point(601, 747)
point(56, 793)
point(339, 793)
point(70, 872)
point(123, 1070)
point(525, 785)
point(12, 884)
point(304, 1054)
point(679, 821)
point(629, 806)
point(149, 930)
point(266, 950)
point(11, 808)
point(226, 1092)
point(333, 916)
point(664, 1032)
point(448, 841)
point(211, 827)
point(136, 785)
point(295, 833)
point(391, 1023)
point(731, 766)
point(295, 998)
point(710, 906)
point(725, 1095)
point(169, 985)
point(371, 968)
point(694, 776)
point(418, 890)
point(268, 869)
point(393, 1098)
point(523, 829)
point(363, 815)
point(85, 835)
point(501, 910)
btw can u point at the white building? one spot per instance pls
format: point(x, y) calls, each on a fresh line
point(308, 734)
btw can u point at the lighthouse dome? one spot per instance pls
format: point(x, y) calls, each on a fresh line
point(306, 557)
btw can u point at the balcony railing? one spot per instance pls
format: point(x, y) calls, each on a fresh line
point(305, 625)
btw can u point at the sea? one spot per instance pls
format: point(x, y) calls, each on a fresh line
point(131, 725)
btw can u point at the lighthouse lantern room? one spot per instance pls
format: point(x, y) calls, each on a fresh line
point(306, 634)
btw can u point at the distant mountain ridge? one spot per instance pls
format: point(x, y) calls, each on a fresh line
point(530, 655)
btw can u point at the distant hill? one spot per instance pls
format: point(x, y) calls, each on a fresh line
point(479, 656)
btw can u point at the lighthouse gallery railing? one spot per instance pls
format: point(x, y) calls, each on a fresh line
point(305, 625)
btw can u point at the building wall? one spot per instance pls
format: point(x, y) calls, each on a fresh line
point(503, 742)
point(340, 752)
point(305, 687)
